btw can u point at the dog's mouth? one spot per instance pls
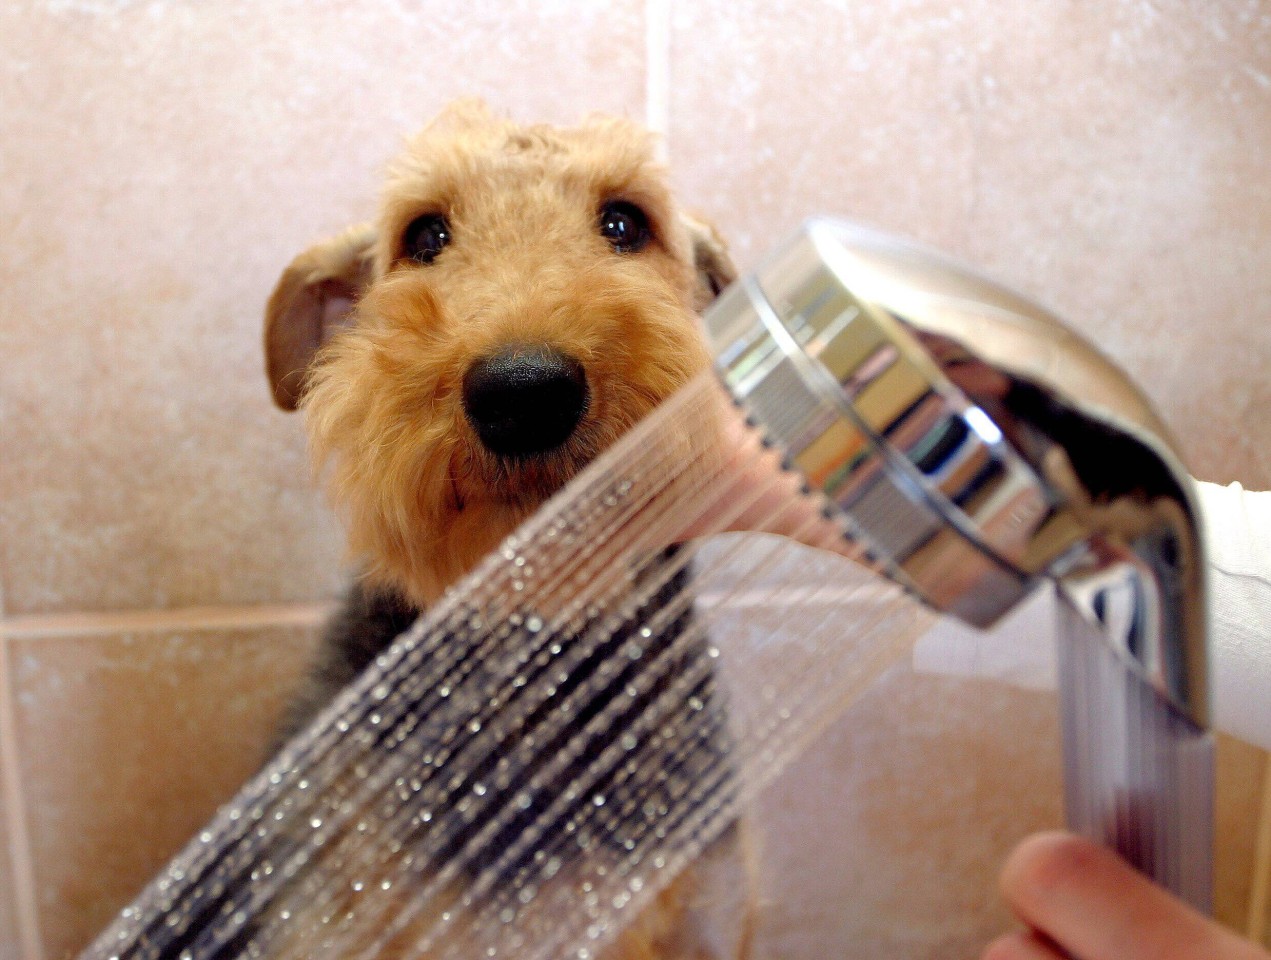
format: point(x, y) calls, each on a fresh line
point(531, 479)
point(523, 480)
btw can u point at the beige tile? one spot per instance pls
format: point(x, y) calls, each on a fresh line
point(1239, 805)
point(164, 162)
point(10, 936)
point(1108, 158)
point(884, 840)
point(17, 933)
point(1259, 921)
point(129, 743)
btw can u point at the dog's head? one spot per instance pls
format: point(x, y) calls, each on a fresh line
point(526, 295)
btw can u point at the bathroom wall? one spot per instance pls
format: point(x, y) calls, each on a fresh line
point(164, 559)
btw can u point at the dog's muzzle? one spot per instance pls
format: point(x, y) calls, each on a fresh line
point(525, 400)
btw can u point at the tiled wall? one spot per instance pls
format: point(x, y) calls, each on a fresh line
point(163, 558)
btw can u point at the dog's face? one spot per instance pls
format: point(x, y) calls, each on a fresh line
point(526, 296)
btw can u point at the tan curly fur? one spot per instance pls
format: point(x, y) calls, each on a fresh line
point(422, 498)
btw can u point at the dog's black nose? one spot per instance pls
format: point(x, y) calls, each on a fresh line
point(525, 400)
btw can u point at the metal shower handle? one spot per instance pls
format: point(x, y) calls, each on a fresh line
point(978, 448)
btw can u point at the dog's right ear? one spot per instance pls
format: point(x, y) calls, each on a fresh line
point(313, 299)
point(714, 267)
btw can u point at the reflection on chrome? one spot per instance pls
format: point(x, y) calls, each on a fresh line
point(979, 448)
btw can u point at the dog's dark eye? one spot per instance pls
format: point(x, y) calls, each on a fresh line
point(624, 225)
point(425, 237)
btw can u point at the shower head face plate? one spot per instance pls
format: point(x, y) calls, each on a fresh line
point(919, 473)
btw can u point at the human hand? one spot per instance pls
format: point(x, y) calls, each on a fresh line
point(1080, 900)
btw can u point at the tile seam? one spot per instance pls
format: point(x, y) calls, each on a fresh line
point(657, 70)
point(88, 623)
point(19, 853)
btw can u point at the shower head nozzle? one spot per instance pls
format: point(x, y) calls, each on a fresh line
point(978, 448)
point(974, 444)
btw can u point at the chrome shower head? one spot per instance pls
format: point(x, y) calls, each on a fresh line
point(978, 448)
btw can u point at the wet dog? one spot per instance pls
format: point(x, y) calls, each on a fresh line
point(524, 297)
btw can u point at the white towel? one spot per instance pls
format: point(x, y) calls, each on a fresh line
point(1238, 532)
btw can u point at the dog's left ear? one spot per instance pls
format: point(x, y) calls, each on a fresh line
point(313, 299)
point(715, 269)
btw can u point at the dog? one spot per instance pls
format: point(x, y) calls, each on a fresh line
point(525, 296)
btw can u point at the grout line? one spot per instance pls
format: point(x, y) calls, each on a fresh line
point(1260, 892)
point(20, 860)
point(39, 626)
point(657, 70)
